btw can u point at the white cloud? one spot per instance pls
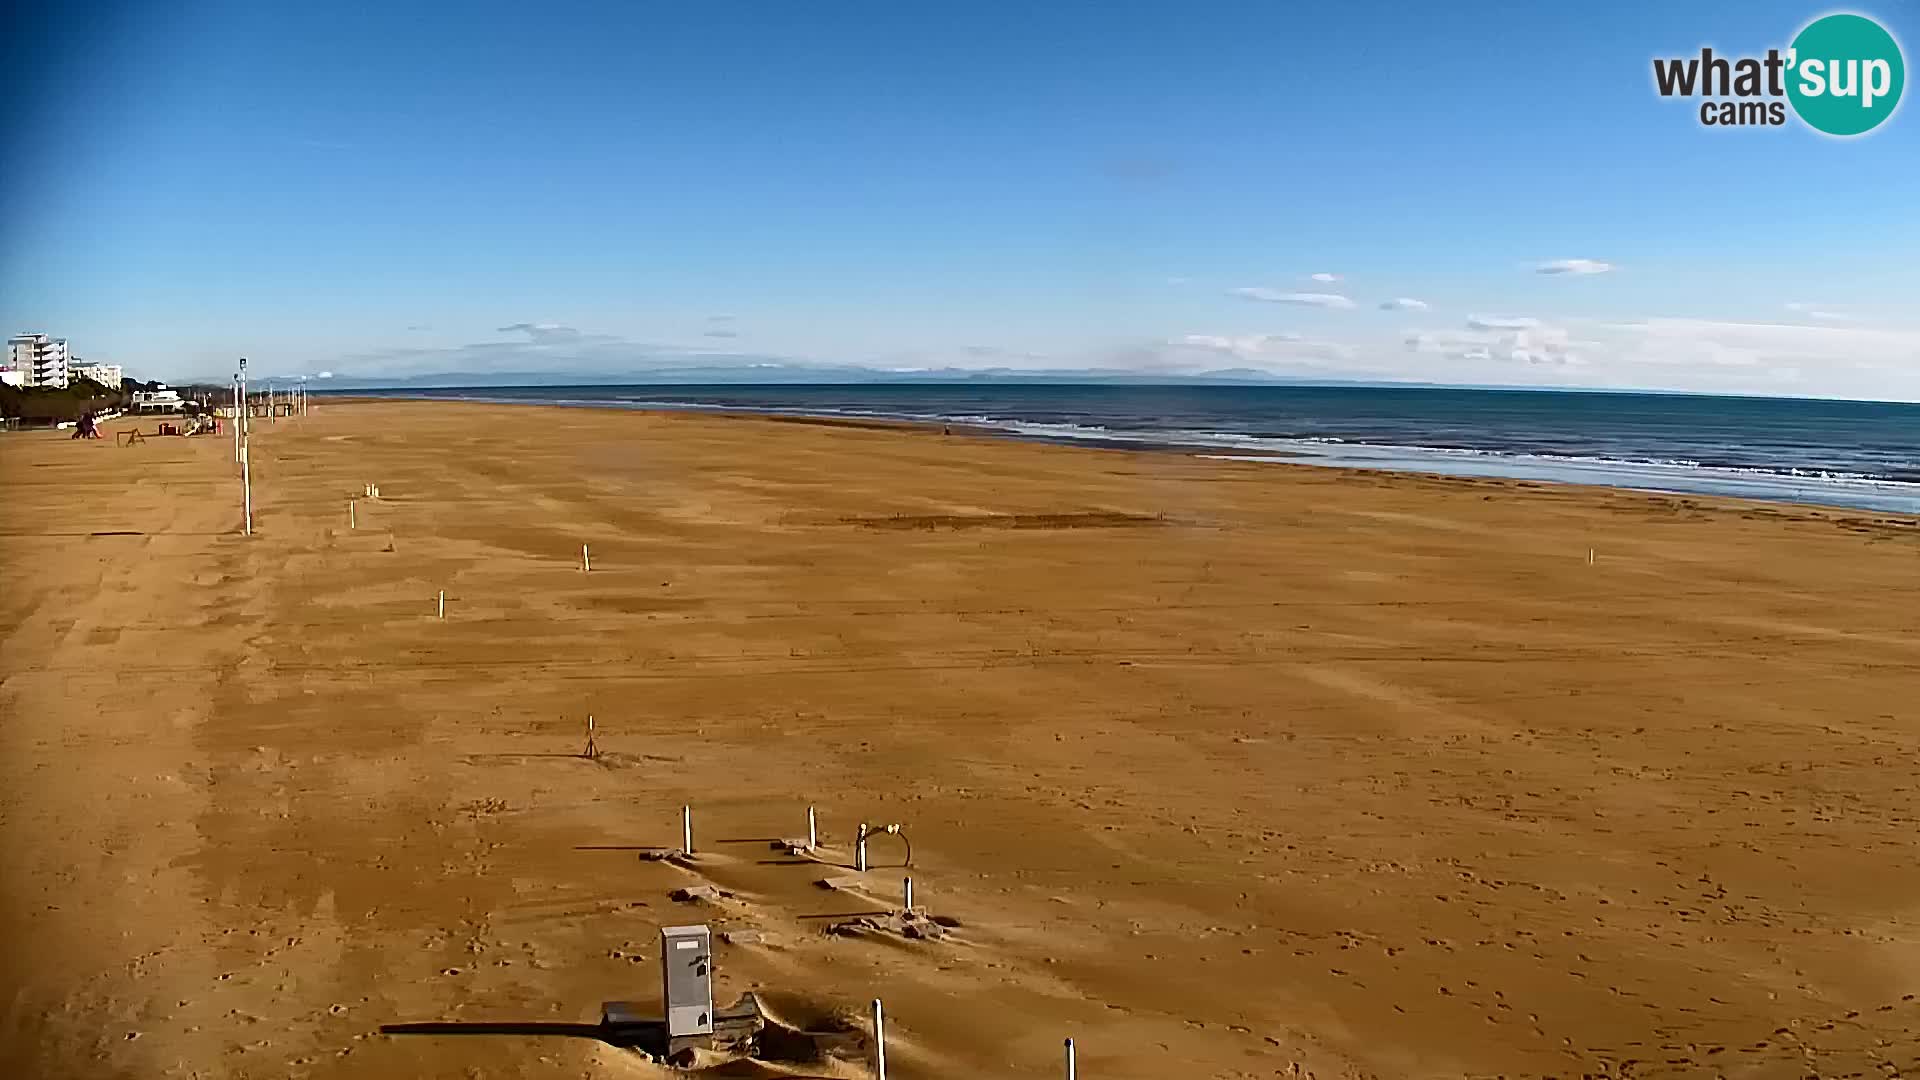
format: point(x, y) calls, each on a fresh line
point(1508, 339)
point(1305, 299)
point(1692, 355)
point(551, 347)
point(1326, 278)
point(1815, 312)
point(1573, 266)
point(1243, 345)
point(1834, 361)
point(1283, 351)
point(1403, 303)
point(543, 333)
point(1788, 357)
point(1500, 322)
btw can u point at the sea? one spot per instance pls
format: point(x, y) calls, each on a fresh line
point(1835, 453)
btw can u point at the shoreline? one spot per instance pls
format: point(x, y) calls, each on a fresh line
point(1900, 514)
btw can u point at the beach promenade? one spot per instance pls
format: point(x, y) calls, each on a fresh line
point(1224, 769)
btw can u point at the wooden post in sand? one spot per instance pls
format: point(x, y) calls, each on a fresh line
point(860, 849)
point(686, 830)
point(586, 563)
point(906, 889)
point(1589, 556)
point(879, 1041)
point(592, 751)
point(353, 516)
point(443, 603)
point(1071, 1071)
point(813, 833)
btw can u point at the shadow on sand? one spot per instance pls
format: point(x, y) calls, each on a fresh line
point(645, 1035)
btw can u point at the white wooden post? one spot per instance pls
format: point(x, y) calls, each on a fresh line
point(1071, 1071)
point(906, 887)
point(353, 516)
point(443, 603)
point(813, 833)
point(860, 849)
point(686, 830)
point(879, 1041)
point(586, 563)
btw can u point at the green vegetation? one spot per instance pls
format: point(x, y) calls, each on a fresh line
point(35, 405)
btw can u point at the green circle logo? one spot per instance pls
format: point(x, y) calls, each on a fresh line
point(1845, 74)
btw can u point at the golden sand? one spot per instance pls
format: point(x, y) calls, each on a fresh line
point(1225, 769)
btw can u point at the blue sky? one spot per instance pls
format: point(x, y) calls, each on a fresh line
point(609, 188)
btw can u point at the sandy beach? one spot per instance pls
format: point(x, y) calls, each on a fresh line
point(1223, 769)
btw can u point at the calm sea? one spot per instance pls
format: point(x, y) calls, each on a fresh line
point(1840, 453)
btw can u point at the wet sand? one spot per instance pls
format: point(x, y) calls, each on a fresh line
point(1225, 769)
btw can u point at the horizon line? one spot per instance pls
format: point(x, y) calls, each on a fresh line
point(405, 384)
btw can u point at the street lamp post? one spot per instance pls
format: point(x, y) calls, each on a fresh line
point(246, 463)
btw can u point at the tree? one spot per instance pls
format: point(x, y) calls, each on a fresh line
point(55, 404)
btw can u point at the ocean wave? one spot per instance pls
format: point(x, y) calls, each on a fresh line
point(1466, 444)
point(1296, 445)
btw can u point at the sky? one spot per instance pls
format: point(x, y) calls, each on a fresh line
point(1473, 193)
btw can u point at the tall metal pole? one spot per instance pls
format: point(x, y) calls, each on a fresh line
point(246, 463)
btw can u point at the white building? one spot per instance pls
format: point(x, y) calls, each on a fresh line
point(161, 400)
point(107, 375)
point(41, 360)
